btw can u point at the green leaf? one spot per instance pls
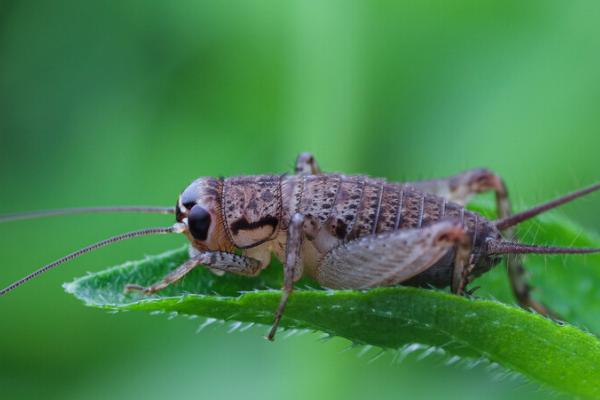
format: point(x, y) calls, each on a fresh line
point(562, 357)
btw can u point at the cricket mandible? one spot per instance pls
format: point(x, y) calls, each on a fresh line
point(346, 232)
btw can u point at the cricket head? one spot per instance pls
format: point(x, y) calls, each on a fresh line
point(198, 213)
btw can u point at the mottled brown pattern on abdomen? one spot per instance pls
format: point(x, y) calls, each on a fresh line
point(349, 207)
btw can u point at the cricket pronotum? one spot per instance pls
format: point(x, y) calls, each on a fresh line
point(352, 232)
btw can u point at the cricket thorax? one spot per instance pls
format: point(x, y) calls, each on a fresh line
point(252, 209)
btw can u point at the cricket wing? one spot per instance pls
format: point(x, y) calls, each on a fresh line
point(387, 259)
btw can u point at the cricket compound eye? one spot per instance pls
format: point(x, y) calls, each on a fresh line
point(199, 222)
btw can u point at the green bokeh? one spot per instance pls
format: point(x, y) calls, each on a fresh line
point(126, 102)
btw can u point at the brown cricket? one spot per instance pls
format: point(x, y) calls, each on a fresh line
point(346, 232)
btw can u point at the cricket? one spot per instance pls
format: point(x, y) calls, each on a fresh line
point(345, 232)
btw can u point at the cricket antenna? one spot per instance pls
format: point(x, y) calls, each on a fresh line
point(177, 228)
point(527, 214)
point(506, 247)
point(84, 210)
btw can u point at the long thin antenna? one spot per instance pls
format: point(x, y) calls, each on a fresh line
point(92, 247)
point(527, 214)
point(505, 247)
point(83, 210)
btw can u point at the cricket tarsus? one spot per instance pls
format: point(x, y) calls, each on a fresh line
point(87, 249)
point(86, 210)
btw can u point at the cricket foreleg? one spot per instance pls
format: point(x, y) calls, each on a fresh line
point(388, 258)
point(223, 261)
point(292, 268)
point(306, 164)
point(233, 263)
point(172, 277)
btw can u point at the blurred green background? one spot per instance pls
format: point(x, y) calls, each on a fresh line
point(126, 102)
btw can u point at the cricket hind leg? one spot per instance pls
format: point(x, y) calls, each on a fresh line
point(306, 165)
point(460, 188)
point(388, 258)
point(218, 260)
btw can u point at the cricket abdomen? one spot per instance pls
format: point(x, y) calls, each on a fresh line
point(340, 208)
point(349, 207)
